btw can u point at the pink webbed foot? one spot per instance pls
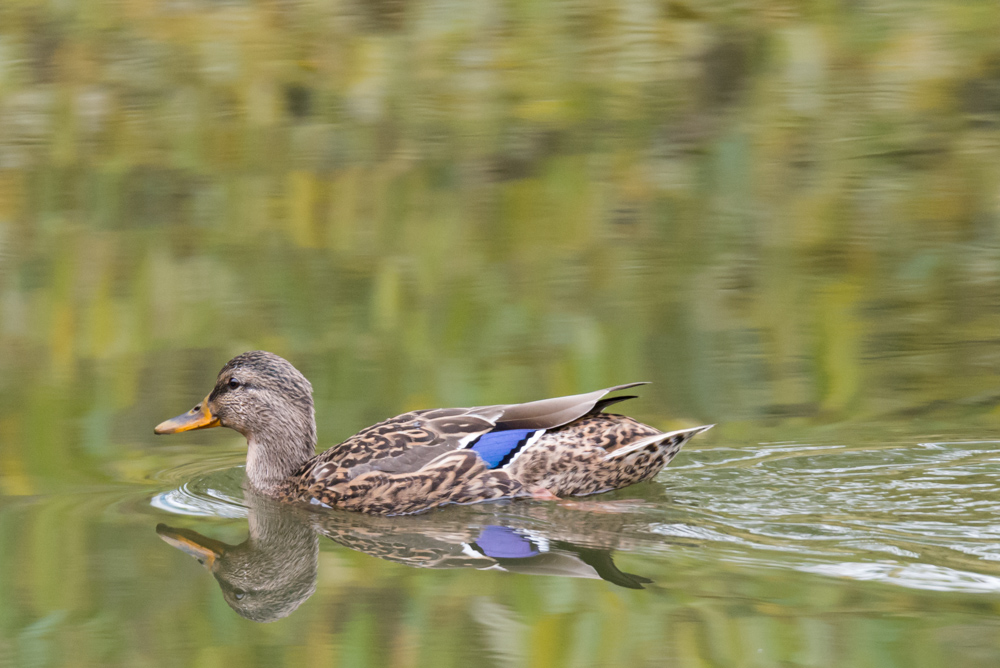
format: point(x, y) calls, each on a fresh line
point(542, 494)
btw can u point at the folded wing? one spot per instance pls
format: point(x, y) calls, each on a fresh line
point(408, 442)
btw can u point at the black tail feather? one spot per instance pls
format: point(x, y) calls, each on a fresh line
point(602, 562)
point(610, 401)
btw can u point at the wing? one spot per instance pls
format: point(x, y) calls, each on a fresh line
point(408, 442)
point(552, 413)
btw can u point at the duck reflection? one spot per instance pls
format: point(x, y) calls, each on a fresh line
point(267, 576)
point(270, 574)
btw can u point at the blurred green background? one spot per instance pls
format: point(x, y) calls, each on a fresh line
point(784, 214)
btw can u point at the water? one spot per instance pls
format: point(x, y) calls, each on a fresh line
point(915, 515)
point(828, 553)
point(786, 218)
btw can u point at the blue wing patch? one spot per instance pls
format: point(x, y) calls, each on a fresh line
point(505, 543)
point(497, 448)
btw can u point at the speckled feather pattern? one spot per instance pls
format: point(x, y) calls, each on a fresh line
point(455, 477)
point(273, 408)
point(571, 460)
point(420, 460)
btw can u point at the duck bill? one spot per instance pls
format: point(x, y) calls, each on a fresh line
point(205, 550)
point(199, 417)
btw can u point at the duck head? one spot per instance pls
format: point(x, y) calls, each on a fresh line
point(265, 398)
point(267, 576)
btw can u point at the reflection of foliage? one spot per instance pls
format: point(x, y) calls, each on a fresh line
point(143, 603)
point(770, 214)
point(455, 208)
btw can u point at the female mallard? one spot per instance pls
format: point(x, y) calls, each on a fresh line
point(270, 574)
point(426, 458)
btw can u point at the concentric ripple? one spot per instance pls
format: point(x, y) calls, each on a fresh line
point(917, 515)
point(213, 494)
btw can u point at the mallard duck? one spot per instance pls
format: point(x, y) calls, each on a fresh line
point(566, 446)
point(271, 573)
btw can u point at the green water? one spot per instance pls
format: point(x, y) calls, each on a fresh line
point(785, 215)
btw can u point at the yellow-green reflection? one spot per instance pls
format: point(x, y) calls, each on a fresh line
point(785, 216)
point(270, 574)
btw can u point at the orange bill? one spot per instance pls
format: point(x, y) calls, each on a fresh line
point(205, 550)
point(199, 417)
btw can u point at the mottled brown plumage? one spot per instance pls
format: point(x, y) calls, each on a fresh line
point(272, 572)
point(427, 458)
point(267, 576)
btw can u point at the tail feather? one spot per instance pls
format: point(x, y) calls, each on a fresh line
point(604, 564)
point(681, 436)
point(610, 401)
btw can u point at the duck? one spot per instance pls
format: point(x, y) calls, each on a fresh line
point(271, 573)
point(274, 570)
point(414, 462)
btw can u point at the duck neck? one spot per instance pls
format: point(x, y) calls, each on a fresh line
point(276, 453)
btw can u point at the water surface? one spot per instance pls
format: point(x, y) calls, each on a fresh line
point(786, 217)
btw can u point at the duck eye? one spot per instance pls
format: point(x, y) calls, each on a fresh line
point(233, 383)
point(238, 594)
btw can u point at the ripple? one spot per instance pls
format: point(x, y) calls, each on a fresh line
point(917, 515)
point(935, 507)
point(915, 576)
point(215, 494)
point(202, 465)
